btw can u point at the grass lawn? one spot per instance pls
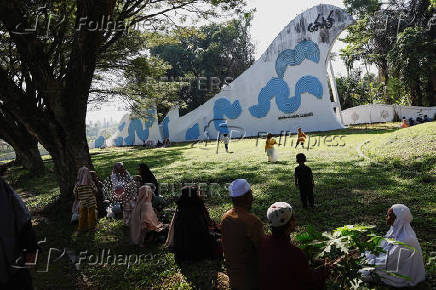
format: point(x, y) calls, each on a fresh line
point(349, 189)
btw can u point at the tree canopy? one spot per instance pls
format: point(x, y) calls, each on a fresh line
point(53, 51)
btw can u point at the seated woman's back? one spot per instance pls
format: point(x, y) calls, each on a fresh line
point(192, 240)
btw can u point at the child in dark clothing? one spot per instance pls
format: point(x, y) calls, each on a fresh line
point(304, 181)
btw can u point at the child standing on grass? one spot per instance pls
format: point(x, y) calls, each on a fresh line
point(226, 141)
point(85, 191)
point(301, 138)
point(304, 181)
point(269, 148)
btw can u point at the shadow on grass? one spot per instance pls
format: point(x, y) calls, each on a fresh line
point(133, 156)
point(202, 274)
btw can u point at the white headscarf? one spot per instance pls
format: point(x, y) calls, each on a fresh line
point(399, 259)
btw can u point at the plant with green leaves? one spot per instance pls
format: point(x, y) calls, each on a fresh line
point(343, 247)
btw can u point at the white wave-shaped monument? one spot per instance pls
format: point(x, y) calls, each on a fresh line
point(285, 89)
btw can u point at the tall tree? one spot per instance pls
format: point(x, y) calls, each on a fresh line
point(217, 52)
point(378, 31)
point(413, 61)
point(56, 64)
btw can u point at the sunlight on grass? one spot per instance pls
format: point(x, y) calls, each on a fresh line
point(348, 190)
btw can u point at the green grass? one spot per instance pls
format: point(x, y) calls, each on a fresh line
point(348, 189)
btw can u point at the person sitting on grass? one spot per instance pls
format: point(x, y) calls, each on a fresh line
point(426, 119)
point(101, 203)
point(411, 122)
point(120, 178)
point(283, 265)
point(144, 224)
point(269, 148)
point(148, 178)
point(138, 181)
point(192, 234)
point(404, 123)
point(18, 244)
point(242, 238)
point(85, 191)
point(166, 142)
point(399, 266)
point(301, 138)
point(304, 181)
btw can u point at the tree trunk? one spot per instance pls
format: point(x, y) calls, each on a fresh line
point(30, 159)
point(432, 90)
point(69, 152)
point(52, 108)
point(25, 145)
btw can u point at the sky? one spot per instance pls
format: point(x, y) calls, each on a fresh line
point(270, 18)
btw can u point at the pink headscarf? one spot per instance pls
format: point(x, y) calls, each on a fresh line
point(83, 176)
point(143, 216)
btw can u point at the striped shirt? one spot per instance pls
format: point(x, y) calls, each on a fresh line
point(86, 195)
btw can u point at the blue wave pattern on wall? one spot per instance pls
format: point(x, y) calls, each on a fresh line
point(276, 87)
point(121, 127)
point(135, 126)
point(304, 50)
point(307, 84)
point(118, 141)
point(193, 133)
point(99, 142)
point(279, 89)
point(224, 108)
point(165, 129)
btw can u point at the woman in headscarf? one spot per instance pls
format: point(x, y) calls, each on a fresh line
point(189, 234)
point(398, 260)
point(16, 238)
point(85, 191)
point(120, 176)
point(143, 220)
point(148, 178)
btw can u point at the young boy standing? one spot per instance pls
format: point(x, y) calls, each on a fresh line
point(304, 181)
point(226, 140)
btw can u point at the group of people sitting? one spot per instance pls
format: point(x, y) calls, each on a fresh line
point(255, 260)
point(135, 198)
point(411, 122)
point(151, 144)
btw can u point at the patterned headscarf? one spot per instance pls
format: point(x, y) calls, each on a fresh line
point(83, 176)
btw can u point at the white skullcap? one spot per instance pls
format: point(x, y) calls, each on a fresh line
point(279, 213)
point(239, 187)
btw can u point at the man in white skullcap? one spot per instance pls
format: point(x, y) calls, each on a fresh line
point(242, 236)
point(283, 265)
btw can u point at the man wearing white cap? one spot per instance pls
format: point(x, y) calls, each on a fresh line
point(283, 265)
point(242, 236)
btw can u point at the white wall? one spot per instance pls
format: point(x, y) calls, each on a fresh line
point(247, 86)
point(378, 113)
